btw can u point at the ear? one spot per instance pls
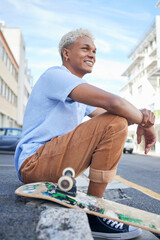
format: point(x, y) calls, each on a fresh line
point(65, 53)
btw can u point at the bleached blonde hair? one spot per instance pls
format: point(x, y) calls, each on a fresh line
point(72, 36)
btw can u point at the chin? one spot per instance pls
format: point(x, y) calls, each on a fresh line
point(88, 70)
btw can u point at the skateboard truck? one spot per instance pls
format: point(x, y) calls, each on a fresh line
point(67, 183)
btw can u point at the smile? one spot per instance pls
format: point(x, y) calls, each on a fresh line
point(90, 63)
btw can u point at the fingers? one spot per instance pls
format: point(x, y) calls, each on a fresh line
point(149, 143)
point(149, 136)
point(148, 147)
point(148, 118)
point(139, 138)
point(140, 133)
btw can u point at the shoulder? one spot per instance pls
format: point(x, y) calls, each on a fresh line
point(57, 70)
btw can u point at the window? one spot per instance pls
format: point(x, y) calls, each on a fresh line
point(4, 57)
point(26, 92)
point(129, 140)
point(140, 89)
point(3, 89)
point(1, 51)
point(0, 86)
point(6, 92)
point(11, 68)
point(16, 77)
point(8, 62)
point(12, 101)
point(1, 119)
point(2, 132)
point(10, 94)
point(13, 132)
point(14, 72)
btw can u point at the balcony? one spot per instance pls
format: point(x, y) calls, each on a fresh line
point(136, 60)
point(154, 73)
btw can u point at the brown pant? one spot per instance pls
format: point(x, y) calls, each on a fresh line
point(97, 143)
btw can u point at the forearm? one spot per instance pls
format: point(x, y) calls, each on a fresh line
point(90, 95)
point(122, 107)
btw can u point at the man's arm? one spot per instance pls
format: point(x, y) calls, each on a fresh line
point(90, 95)
point(97, 112)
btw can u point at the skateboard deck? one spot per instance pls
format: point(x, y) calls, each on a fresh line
point(92, 205)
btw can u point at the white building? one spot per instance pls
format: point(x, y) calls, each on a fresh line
point(143, 86)
point(158, 4)
point(13, 57)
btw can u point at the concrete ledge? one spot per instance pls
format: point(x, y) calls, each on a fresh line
point(62, 223)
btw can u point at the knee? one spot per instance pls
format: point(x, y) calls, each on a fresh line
point(119, 123)
point(122, 123)
point(110, 124)
point(121, 127)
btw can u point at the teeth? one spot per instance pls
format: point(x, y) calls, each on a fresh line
point(90, 63)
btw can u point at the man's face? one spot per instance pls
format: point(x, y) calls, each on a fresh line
point(81, 56)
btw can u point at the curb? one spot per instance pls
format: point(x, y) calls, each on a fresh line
point(63, 223)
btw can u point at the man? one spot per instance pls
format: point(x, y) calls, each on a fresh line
point(54, 137)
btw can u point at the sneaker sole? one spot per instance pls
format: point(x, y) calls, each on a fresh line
point(118, 236)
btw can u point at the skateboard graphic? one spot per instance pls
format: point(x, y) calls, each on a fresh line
point(66, 194)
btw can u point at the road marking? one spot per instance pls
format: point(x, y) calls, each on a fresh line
point(138, 187)
point(6, 165)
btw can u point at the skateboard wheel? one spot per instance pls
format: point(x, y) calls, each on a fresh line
point(69, 172)
point(65, 183)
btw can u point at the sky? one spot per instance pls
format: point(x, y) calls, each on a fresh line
point(117, 26)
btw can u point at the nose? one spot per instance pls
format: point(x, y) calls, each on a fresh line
point(91, 55)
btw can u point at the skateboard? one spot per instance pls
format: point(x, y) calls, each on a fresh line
point(66, 194)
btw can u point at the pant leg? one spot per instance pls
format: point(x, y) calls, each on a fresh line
point(97, 143)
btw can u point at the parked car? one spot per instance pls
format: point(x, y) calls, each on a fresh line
point(9, 138)
point(129, 145)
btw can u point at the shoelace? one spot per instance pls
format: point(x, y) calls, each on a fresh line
point(114, 224)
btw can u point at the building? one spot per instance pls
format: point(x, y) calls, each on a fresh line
point(15, 77)
point(143, 73)
point(158, 4)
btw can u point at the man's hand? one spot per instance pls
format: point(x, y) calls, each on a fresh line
point(148, 118)
point(149, 136)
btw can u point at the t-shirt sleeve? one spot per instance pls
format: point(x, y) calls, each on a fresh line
point(89, 110)
point(59, 83)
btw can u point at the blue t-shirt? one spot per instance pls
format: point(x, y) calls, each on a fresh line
point(50, 112)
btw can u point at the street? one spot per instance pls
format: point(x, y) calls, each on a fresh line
point(19, 217)
point(144, 171)
point(17, 220)
point(141, 169)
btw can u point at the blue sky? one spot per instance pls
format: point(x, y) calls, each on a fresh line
point(117, 25)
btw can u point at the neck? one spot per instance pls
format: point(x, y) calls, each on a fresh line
point(74, 72)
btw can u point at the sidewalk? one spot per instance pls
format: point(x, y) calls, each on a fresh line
point(48, 228)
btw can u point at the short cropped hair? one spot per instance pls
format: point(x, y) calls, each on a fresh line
point(72, 36)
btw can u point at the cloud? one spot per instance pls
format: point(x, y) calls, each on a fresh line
point(50, 51)
point(141, 16)
point(37, 11)
point(44, 22)
point(102, 45)
point(108, 69)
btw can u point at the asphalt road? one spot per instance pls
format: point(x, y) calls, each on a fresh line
point(144, 171)
point(18, 219)
point(141, 169)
